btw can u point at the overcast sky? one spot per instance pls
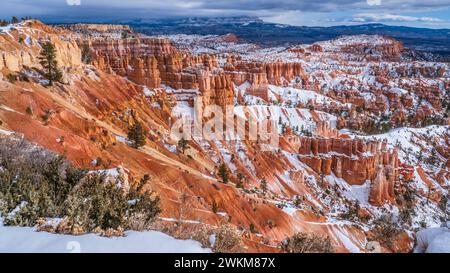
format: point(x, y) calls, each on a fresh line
point(422, 13)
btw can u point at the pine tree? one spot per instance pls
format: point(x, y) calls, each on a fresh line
point(252, 228)
point(29, 111)
point(47, 59)
point(240, 178)
point(136, 135)
point(14, 20)
point(182, 143)
point(86, 55)
point(264, 186)
point(223, 173)
point(214, 207)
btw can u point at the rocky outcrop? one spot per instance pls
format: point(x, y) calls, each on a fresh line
point(388, 49)
point(145, 72)
point(98, 27)
point(216, 89)
point(355, 161)
point(20, 47)
point(277, 73)
point(152, 62)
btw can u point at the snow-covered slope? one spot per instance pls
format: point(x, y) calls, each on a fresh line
point(434, 240)
point(24, 239)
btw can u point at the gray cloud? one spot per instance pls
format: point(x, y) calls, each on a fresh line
point(110, 9)
point(387, 17)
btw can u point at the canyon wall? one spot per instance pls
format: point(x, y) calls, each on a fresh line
point(152, 62)
point(355, 161)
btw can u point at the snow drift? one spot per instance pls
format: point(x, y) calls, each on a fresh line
point(24, 239)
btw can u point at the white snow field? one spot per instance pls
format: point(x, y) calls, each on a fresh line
point(434, 240)
point(27, 240)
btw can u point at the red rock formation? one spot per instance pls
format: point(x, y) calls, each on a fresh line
point(355, 161)
point(152, 62)
point(315, 48)
point(216, 89)
point(277, 73)
point(325, 130)
point(389, 50)
point(145, 73)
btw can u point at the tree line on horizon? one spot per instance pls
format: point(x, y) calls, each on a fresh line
point(14, 20)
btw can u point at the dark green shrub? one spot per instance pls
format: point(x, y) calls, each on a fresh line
point(11, 78)
point(29, 111)
point(224, 173)
point(136, 135)
point(35, 183)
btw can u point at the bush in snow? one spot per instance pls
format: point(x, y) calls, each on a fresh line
point(143, 207)
point(386, 230)
point(226, 239)
point(223, 238)
point(307, 243)
point(352, 213)
point(35, 184)
point(95, 203)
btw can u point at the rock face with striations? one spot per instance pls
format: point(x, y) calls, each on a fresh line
point(145, 72)
point(277, 73)
point(152, 62)
point(260, 74)
point(21, 49)
point(355, 161)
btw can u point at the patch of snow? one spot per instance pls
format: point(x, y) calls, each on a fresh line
point(212, 240)
point(27, 240)
point(433, 240)
point(122, 139)
point(5, 132)
point(148, 92)
point(171, 148)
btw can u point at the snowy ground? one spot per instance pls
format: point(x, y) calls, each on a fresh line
point(434, 240)
point(24, 239)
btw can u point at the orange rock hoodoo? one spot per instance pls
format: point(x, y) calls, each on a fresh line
point(353, 160)
point(277, 73)
point(152, 62)
point(259, 75)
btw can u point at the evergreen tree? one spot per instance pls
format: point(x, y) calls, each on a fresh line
point(86, 55)
point(136, 135)
point(297, 202)
point(182, 143)
point(14, 20)
point(252, 228)
point(240, 178)
point(264, 186)
point(48, 61)
point(223, 173)
point(214, 207)
point(29, 111)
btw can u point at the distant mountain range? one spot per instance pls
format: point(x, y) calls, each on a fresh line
point(255, 30)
